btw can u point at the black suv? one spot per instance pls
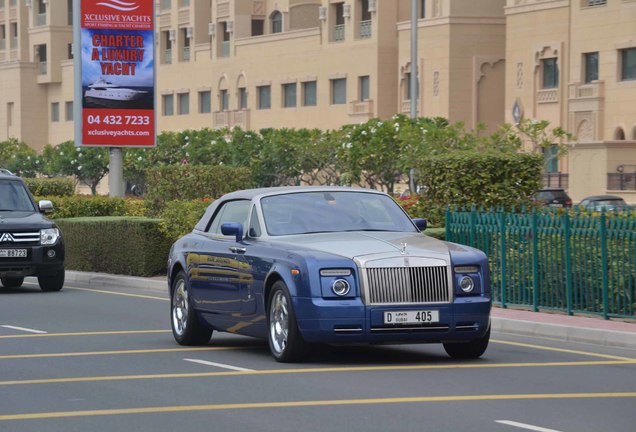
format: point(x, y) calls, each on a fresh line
point(553, 197)
point(30, 244)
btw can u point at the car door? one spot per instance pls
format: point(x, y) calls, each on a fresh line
point(217, 270)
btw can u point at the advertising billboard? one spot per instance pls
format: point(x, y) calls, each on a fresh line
point(115, 73)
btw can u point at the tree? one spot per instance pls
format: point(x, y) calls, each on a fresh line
point(19, 158)
point(88, 165)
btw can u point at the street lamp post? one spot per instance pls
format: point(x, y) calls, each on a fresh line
point(413, 81)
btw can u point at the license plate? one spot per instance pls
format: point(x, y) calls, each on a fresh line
point(13, 253)
point(411, 317)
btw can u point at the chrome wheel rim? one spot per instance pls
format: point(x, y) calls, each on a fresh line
point(180, 308)
point(279, 322)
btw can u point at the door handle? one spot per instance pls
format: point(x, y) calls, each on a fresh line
point(238, 250)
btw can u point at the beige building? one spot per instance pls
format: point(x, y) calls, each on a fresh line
point(326, 63)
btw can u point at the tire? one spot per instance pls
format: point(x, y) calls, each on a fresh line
point(50, 283)
point(12, 282)
point(186, 327)
point(468, 350)
point(285, 341)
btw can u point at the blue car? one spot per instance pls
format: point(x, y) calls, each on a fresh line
point(314, 265)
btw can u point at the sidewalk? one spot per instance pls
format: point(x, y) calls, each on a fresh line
point(610, 333)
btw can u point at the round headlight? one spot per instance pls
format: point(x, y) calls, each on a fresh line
point(340, 287)
point(466, 284)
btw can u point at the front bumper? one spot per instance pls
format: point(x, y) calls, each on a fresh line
point(352, 322)
point(37, 262)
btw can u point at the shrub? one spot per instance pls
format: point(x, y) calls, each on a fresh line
point(188, 182)
point(94, 205)
point(51, 186)
point(179, 217)
point(120, 245)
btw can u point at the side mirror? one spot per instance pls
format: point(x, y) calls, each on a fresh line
point(45, 206)
point(420, 223)
point(233, 228)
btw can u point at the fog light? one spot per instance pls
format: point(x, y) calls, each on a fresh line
point(340, 287)
point(50, 253)
point(466, 284)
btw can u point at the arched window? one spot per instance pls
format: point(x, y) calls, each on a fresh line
point(634, 133)
point(277, 22)
point(619, 135)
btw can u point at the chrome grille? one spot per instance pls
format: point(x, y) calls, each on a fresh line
point(19, 238)
point(407, 285)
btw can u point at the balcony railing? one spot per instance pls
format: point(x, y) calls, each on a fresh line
point(186, 54)
point(555, 180)
point(621, 181)
point(225, 49)
point(365, 29)
point(42, 68)
point(3, 44)
point(167, 56)
point(166, 4)
point(548, 96)
point(41, 19)
point(14, 43)
point(339, 33)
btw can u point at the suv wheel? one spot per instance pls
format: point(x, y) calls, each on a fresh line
point(53, 282)
point(12, 282)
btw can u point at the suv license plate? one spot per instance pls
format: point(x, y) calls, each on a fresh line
point(411, 317)
point(13, 253)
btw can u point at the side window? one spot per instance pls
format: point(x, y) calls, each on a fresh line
point(255, 226)
point(231, 211)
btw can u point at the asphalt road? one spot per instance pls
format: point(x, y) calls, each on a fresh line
point(107, 362)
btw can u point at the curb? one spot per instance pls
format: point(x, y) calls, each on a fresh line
point(590, 335)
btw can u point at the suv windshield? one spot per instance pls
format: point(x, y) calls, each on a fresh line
point(14, 197)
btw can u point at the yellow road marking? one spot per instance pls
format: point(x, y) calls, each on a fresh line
point(96, 353)
point(119, 293)
point(563, 350)
point(314, 403)
point(96, 333)
point(312, 370)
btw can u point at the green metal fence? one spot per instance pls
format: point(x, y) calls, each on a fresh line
point(553, 259)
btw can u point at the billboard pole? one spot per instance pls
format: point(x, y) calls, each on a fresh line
point(116, 172)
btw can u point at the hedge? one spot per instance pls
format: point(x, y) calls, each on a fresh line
point(50, 186)
point(120, 245)
point(188, 182)
point(94, 205)
point(179, 217)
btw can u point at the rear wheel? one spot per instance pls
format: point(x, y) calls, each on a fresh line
point(468, 350)
point(53, 282)
point(186, 327)
point(12, 282)
point(285, 341)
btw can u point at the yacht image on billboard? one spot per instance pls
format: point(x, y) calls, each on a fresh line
point(103, 93)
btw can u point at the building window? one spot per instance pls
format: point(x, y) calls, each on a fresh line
point(309, 89)
point(10, 114)
point(225, 42)
point(55, 112)
point(14, 35)
point(69, 16)
point(277, 22)
point(628, 64)
point(70, 51)
point(69, 111)
point(590, 3)
point(40, 16)
point(591, 66)
point(364, 89)
point(339, 28)
point(551, 159)
point(242, 98)
point(289, 95)
point(186, 44)
point(184, 103)
point(550, 73)
point(264, 94)
point(205, 102)
point(40, 53)
point(224, 100)
point(422, 9)
point(3, 37)
point(365, 20)
point(167, 55)
point(168, 104)
point(338, 91)
point(166, 4)
point(258, 27)
point(407, 86)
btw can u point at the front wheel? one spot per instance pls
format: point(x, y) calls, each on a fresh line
point(468, 350)
point(285, 341)
point(53, 282)
point(186, 328)
point(12, 282)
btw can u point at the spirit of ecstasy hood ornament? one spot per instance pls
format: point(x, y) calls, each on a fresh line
point(403, 249)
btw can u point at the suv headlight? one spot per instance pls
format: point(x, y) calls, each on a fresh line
point(49, 236)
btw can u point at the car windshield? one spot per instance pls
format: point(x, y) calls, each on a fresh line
point(314, 212)
point(609, 203)
point(14, 197)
